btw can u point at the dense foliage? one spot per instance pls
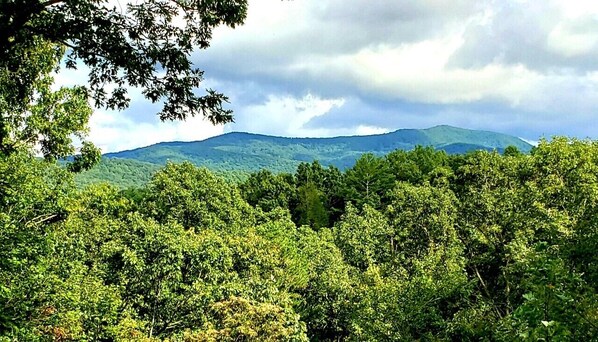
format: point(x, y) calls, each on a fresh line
point(34, 115)
point(417, 245)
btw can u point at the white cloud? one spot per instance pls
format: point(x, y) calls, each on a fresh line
point(285, 115)
point(418, 72)
point(324, 45)
point(570, 39)
point(369, 130)
point(576, 8)
point(113, 131)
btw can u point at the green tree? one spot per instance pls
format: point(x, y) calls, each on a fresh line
point(364, 237)
point(32, 201)
point(368, 181)
point(173, 281)
point(423, 218)
point(565, 172)
point(417, 292)
point(327, 180)
point(325, 303)
point(268, 191)
point(493, 224)
point(33, 115)
point(519, 217)
point(512, 151)
point(194, 197)
point(557, 304)
point(310, 208)
point(47, 289)
point(144, 45)
point(240, 319)
point(417, 165)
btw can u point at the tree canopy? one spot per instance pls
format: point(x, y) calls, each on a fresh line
point(502, 249)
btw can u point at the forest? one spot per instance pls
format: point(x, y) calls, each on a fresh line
point(414, 245)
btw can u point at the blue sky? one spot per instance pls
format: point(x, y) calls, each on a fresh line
point(337, 67)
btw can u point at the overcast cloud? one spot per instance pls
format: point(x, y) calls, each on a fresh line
point(337, 67)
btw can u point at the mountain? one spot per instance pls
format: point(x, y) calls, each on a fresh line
point(235, 154)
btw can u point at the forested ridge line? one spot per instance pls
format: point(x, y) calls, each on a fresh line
point(234, 155)
point(415, 245)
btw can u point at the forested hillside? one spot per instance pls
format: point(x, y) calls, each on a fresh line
point(417, 245)
point(235, 155)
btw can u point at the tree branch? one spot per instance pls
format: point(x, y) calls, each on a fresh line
point(41, 219)
point(50, 3)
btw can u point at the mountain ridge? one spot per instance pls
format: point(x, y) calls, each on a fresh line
point(260, 135)
point(243, 152)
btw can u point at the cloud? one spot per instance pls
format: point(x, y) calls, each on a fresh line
point(418, 72)
point(541, 35)
point(369, 130)
point(571, 38)
point(112, 131)
point(525, 66)
point(285, 115)
point(322, 68)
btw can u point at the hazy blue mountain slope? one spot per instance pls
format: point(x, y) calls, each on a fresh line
point(446, 135)
point(238, 153)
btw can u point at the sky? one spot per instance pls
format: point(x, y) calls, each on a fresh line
point(318, 68)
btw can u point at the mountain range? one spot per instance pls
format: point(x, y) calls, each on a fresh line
point(236, 154)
